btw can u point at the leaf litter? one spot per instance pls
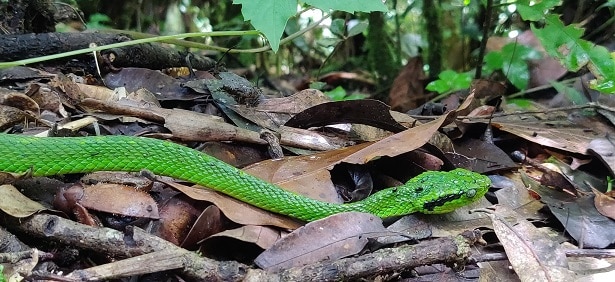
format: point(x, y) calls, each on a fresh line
point(312, 174)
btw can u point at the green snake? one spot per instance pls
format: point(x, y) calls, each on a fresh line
point(430, 192)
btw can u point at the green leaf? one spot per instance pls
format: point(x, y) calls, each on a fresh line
point(602, 65)
point(97, 21)
point(269, 17)
point(319, 85)
point(562, 42)
point(450, 81)
point(521, 103)
point(493, 61)
point(518, 73)
point(337, 94)
point(356, 96)
point(514, 66)
point(447, 75)
point(565, 44)
point(574, 96)
point(461, 81)
point(607, 4)
point(357, 29)
point(530, 13)
point(607, 86)
point(519, 52)
point(350, 6)
point(439, 86)
point(338, 27)
point(537, 10)
point(328, 42)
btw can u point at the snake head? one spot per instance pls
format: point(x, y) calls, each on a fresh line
point(457, 188)
point(432, 192)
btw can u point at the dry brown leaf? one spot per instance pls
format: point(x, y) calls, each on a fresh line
point(557, 133)
point(605, 204)
point(102, 93)
point(331, 238)
point(19, 100)
point(10, 116)
point(236, 210)
point(407, 90)
point(262, 236)
point(207, 224)
point(397, 144)
point(270, 113)
point(177, 215)
point(533, 254)
point(305, 175)
point(166, 87)
point(16, 204)
point(604, 149)
point(578, 214)
point(119, 199)
point(365, 111)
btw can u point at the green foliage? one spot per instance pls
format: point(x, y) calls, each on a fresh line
point(319, 85)
point(573, 95)
point(270, 16)
point(2, 278)
point(449, 81)
point(565, 44)
point(349, 6)
point(340, 94)
point(521, 103)
point(338, 29)
point(512, 61)
point(536, 11)
point(97, 21)
point(607, 4)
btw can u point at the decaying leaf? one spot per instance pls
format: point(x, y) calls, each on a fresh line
point(16, 204)
point(533, 255)
point(331, 238)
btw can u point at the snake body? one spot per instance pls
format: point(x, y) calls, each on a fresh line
point(430, 192)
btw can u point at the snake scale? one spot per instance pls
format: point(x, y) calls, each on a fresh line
point(430, 192)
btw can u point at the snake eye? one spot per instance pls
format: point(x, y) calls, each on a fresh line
point(471, 193)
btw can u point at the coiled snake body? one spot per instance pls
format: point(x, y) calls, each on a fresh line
point(430, 192)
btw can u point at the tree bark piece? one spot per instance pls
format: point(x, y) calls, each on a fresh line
point(135, 242)
point(152, 56)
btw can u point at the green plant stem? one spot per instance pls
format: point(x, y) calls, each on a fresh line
point(172, 39)
point(127, 43)
point(196, 45)
point(440, 97)
point(538, 88)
